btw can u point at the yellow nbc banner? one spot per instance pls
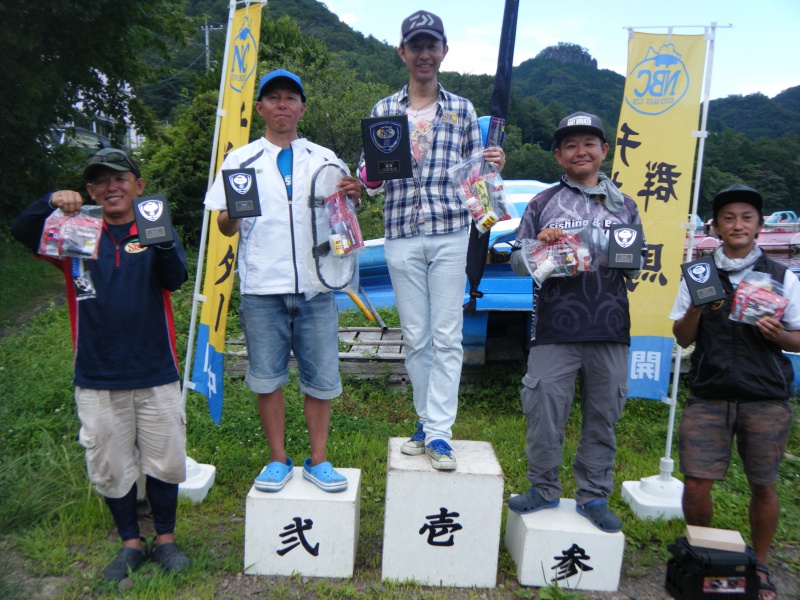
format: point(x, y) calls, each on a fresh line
point(233, 130)
point(653, 163)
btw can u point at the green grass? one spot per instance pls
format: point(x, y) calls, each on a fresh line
point(52, 519)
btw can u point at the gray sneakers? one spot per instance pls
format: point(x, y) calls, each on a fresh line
point(441, 455)
point(416, 445)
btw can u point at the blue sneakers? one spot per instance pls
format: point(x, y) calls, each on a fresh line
point(324, 476)
point(274, 476)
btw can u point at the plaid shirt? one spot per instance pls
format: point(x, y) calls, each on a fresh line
point(430, 190)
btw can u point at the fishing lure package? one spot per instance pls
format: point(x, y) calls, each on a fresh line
point(345, 234)
point(480, 189)
point(77, 236)
point(758, 296)
point(566, 257)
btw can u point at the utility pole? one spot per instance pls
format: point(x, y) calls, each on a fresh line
point(206, 29)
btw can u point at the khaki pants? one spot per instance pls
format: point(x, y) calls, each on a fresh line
point(117, 423)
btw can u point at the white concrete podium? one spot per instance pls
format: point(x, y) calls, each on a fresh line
point(443, 527)
point(557, 546)
point(302, 529)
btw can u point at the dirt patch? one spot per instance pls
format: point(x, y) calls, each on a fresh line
point(636, 583)
point(37, 305)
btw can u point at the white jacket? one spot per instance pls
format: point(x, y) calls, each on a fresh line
point(275, 249)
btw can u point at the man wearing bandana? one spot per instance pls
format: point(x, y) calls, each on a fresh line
point(740, 380)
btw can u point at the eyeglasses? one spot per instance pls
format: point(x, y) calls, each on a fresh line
point(114, 158)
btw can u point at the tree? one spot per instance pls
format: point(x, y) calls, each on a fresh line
point(531, 162)
point(56, 53)
point(176, 162)
point(768, 165)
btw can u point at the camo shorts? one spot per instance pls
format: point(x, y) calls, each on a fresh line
point(707, 430)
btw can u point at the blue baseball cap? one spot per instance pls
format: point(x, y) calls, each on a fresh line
point(278, 75)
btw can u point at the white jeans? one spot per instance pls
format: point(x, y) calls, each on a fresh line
point(429, 279)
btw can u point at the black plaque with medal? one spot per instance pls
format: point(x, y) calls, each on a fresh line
point(625, 246)
point(703, 281)
point(387, 148)
point(241, 193)
point(152, 220)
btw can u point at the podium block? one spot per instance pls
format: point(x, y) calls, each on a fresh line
point(557, 546)
point(302, 529)
point(443, 527)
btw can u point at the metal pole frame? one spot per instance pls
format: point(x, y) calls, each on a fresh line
point(702, 134)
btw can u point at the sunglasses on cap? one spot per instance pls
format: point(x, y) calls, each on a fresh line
point(114, 158)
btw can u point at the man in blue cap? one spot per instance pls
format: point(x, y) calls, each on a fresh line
point(281, 309)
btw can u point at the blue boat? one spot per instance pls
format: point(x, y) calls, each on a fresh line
point(500, 328)
point(501, 325)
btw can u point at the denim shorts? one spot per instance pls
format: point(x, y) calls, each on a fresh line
point(275, 325)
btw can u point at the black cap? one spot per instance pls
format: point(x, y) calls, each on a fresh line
point(737, 193)
point(420, 22)
point(110, 158)
point(580, 121)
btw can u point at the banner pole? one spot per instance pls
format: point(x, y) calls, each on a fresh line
point(661, 495)
point(201, 251)
point(702, 134)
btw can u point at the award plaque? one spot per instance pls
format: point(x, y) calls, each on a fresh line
point(241, 193)
point(152, 220)
point(703, 281)
point(625, 246)
point(387, 148)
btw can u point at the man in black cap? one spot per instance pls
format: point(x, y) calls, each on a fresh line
point(127, 382)
point(580, 329)
point(426, 231)
point(740, 379)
